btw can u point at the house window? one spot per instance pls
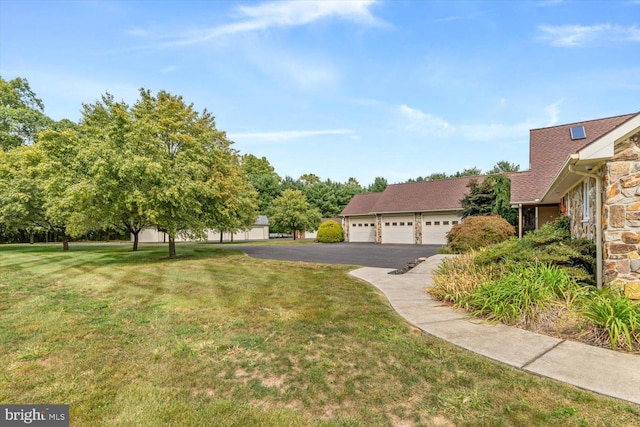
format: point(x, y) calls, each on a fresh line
point(394, 224)
point(454, 222)
point(445, 222)
point(366, 224)
point(372, 225)
point(410, 223)
point(386, 224)
point(401, 224)
point(427, 223)
point(436, 223)
point(586, 206)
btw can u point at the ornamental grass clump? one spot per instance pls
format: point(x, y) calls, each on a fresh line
point(330, 232)
point(456, 279)
point(522, 295)
point(615, 317)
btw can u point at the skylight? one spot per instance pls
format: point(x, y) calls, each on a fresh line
point(578, 132)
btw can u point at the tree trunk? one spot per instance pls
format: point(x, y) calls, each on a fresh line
point(65, 241)
point(135, 241)
point(31, 238)
point(172, 246)
point(221, 235)
point(294, 234)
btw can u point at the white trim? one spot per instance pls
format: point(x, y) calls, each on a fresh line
point(603, 147)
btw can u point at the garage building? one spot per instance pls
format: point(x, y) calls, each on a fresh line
point(411, 213)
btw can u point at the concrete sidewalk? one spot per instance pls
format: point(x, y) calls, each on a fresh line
point(596, 369)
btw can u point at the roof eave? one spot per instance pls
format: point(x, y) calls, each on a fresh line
point(589, 158)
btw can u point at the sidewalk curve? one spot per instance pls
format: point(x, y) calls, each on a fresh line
point(596, 369)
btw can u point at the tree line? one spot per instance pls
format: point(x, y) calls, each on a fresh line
point(157, 163)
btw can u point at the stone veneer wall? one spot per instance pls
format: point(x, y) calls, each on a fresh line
point(417, 228)
point(346, 228)
point(581, 228)
point(621, 187)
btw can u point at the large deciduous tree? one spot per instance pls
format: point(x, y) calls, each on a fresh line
point(61, 171)
point(114, 192)
point(292, 213)
point(190, 158)
point(21, 114)
point(263, 178)
point(21, 191)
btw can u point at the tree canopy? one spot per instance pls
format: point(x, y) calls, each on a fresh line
point(491, 196)
point(292, 213)
point(21, 114)
point(199, 184)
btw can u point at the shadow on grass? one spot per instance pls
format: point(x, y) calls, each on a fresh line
point(109, 254)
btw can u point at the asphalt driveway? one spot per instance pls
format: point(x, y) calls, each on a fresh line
point(363, 254)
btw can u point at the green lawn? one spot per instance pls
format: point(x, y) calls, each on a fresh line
point(216, 338)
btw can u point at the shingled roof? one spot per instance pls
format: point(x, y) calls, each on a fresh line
point(549, 148)
point(423, 196)
point(361, 204)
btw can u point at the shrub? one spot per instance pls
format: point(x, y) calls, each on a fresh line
point(330, 232)
point(616, 316)
point(551, 244)
point(479, 231)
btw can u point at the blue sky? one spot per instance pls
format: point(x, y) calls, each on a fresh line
point(391, 88)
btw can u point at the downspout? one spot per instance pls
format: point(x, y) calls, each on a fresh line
point(598, 220)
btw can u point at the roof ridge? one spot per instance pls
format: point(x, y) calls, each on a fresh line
point(586, 121)
point(442, 179)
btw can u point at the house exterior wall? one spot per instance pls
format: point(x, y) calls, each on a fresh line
point(582, 227)
point(621, 225)
point(257, 232)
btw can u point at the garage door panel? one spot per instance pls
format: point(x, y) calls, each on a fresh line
point(436, 227)
point(398, 229)
point(362, 229)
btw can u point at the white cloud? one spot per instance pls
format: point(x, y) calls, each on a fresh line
point(579, 35)
point(553, 111)
point(419, 122)
point(424, 124)
point(302, 70)
point(281, 14)
point(286, 135)
point(169, 69)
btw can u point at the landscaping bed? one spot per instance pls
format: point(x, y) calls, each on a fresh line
point(545, 283)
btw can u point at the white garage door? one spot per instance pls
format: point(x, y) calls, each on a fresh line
point(362, 229)
point(436, 227)
point(398, 229)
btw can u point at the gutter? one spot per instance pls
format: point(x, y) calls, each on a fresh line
point(598, 219)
